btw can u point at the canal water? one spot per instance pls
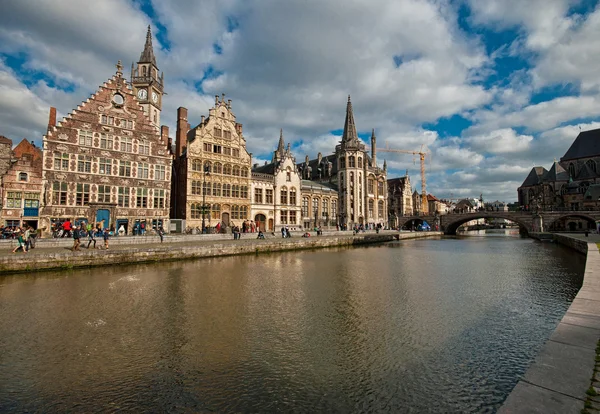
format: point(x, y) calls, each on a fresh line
point(415, 326)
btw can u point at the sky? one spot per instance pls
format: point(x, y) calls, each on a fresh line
point(489, 88)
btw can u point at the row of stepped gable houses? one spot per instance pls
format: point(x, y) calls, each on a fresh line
point(111, 162)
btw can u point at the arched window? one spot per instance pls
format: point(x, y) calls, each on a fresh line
point(22, 176)
point(143, 70)
point(380, 209)
point(370, 185)
point(591, 164)
point(216, 190)
point(244, 172)
point(206, 187)
point(215, 211)
point(226, 190)
point(305, 207)
point(315, 207)
point(196, 165)
point(284, 195)
point(227, 169)
point(288, 174)
point(292, 196)
point(207, 166)
point(351, 162)
point(572, 170)
point(236, 170)
point(371, 207)
point(196, 211)
point(196, 186)
point(360, 162)
point(217, 168)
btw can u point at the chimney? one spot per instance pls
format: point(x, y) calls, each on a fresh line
point(202, 120)
point(183, 127)
point(229, 103)
point(216, 100)
point(164, 134)
point(52, 118)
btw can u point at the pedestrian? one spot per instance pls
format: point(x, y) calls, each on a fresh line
point(20, 243)
point(105, 237)
point(283, 232)
point(76, 237)
point(26, 237)
point(32, 236)
point(91, 237)
point(287, 232)
point(160, 233)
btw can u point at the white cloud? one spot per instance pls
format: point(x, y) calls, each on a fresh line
point(502, 141)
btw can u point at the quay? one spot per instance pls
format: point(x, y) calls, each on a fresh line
point(52, 254)
point(557, 381)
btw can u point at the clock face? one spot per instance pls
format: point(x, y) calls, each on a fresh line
point(118, 99)
point(154, 97)
point(142, 94)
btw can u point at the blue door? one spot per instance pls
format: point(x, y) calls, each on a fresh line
point(103, 217)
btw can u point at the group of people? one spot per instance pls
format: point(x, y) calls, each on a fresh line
point(87, 230)
point(25, 239)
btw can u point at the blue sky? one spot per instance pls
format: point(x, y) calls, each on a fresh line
point(490, 87)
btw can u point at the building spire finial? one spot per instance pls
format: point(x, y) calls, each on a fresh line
point(280, 146)
point(119, 67)
point(350, 135)
point(147, 55)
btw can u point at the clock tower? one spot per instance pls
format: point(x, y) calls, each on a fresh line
point(147, 84)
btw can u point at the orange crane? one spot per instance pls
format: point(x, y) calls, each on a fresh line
point(422, 154)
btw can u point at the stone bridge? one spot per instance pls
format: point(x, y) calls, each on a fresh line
point(528, 221)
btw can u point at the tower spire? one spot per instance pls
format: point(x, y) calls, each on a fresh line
point(280, 147)
point(147, 55)
point(350, 135)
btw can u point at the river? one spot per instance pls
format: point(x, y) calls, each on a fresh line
point(417, 326)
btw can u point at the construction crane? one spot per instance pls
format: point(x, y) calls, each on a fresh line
point(422, 154)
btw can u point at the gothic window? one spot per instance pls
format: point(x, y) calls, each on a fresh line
point(104, 193)
point(143, 169)
point(235, 152)
point(217, 132)
point(284, 196)
point(235, 191)
point(160, 172)
point(591, 164)
point(143, 70)
point(380, 209)
point(124, 168)
point(196, 186)
point(217, 149)
point(61, 161)
point(244, 192)
point(13, 199)
point(258, 195)
point(23, 176)
point(379, 188)
point(227, 169)
point(226, 190)
point(572, 170)
point(370, 185)
point(226, 151)
point(206, 188)
point(217, 168)
point(325, 207)
point(244, 172)
point(305, 207)
point(315, 207)
point(59, 193)
point(227, 134)
point(215, 211)
point(159, 198)
point(141, 201)
point(216, 190)
point(207, 147)
point(351, 162)
point(371, 207)
point(288, 174)
point(85, 138)
point(83, 195)
point(106, 141)
point(84, 163)
point(360, 162)
point(334, 208)
point(292, 196)
point(123, 200)
point(236, 170)
point(342, 162)
point(196, 165)
point(235, 212)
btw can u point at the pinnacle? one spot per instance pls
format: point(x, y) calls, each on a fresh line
point(147, 55)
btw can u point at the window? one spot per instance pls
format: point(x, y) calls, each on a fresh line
point(13, 199)
point(207, 147)
point(244, 172)
point(244, 191)
point(124, 168)
point(333, 209)
point(268, 196)
point(227, 169)
point(217, 132)
point(159, 172)
point(196, 165)
point(144, 148)
point(236, 170)
point(292, 196)
point(342, 162)
point(196, 211)
point(104, 193)
point(591, 164)
point(59, 193)
point(61, 161)
point(196, 187)
point(217, 149)
point(227, 134)
point(288, 176)
point(572, 170)
point(226, 190)
point(83, 195)
point(325, 207)
point(235, 152)
point(141, 200)
point(32, 200)
point(143, 169)
point(103, 119)
point(360, 162)
point(293, 217)
point(380, 188)
point(126, 144)
point(315, 208)
point(258, 195)
point(235, 191)
point(305, 207)
point(84, 163)
point(85, 138)
point(371, 207)
point(216, 190)
point(106, 141)
point(380, 209)
point(370, 185)
point(226, 151)
point(283, 195)
point(206, 188)
point(217, 168)
point(283, 216)
point(215, 211)
point(105, 166)
point(23, 176)
point(351, 162)
point(123, 200)
point(244, 212)
point(207, 166)
point(159, 198)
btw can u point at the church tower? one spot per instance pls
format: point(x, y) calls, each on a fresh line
point(147, 85)
point(350, 154)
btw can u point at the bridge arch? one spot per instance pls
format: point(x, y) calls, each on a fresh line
point(575, 214)
point(451, 223)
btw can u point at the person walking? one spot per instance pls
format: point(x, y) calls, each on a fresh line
point(91, 237)
point(283, 232)
point(105, 237)
point(20, 243)
point(76, 237)
point(26, 238)
point(161, 233)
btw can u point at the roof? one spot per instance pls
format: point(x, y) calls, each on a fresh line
point(4, 140)
point(266, 168)
point(535, 177)
point(147, 55)
point(432, 198)
point(26, 147)
point(349, 136)
point(322, 186)
point(592, 193)
point(557, 173)
point(316, 168)
point(585, 173)
point(586, 145)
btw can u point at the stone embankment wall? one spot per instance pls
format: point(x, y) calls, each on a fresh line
point(184, 248)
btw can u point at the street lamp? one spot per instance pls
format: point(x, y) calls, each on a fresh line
point(206, 172)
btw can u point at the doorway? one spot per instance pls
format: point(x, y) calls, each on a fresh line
point(260, 220)
point(271, 225)
point(225, 219)
point(103, 217)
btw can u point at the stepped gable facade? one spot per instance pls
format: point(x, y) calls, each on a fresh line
point(276, 191)
point(564, 186)
point(212, 169)
point(107, 162)
point(400, 201)
point(21, 184)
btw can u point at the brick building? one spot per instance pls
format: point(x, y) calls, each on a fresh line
point(107, 162)
point(400, 201)
point(21, 183)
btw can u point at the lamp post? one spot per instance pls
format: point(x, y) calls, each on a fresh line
point(206, 172)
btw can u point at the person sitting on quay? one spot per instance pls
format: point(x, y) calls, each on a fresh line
point(261, 235)
point(307, 234)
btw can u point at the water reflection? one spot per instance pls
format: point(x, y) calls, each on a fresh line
point(419, 326)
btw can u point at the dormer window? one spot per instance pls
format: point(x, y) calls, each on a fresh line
point(23, 177)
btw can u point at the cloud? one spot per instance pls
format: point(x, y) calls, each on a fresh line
point(502, 141)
